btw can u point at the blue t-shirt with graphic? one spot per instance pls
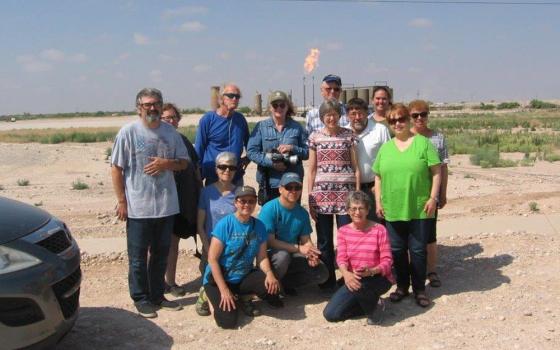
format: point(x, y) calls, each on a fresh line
point(288, 224)
point(241, 244)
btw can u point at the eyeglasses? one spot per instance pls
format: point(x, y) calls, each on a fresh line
point(224, 167)
point(278, 105)
point(231, 95)
point(401, 120)
point(247, 201)
point(418, 115)
point(355, 209)
point(335, 89)
point(171, 117)
point(289, 187)
point(149, 105)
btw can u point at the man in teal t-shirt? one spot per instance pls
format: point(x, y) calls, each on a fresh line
point(293, 255)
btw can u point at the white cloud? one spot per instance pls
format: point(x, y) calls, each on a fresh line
point(156, 76)
point(373, 68)
point(201, 68)
point(192, 26)
point(53, 55)
point(140, 39)
point(122, 57)
point(32, 65)
point(420, 23)
point(184, 11)
point(333, 46)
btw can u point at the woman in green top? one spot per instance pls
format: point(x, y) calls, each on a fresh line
point(407, 183)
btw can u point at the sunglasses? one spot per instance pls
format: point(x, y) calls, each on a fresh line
point(401, 120)
point(224, 167)
point(278, 105)
point(335, 89)
point(247, 201)
point(231, 95)
point(418, 115)
point(293, 187)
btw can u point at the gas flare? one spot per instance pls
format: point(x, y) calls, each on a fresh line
point(311, 60)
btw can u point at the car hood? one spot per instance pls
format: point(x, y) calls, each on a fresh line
point(18, 219)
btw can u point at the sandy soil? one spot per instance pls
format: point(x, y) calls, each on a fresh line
point(500, 282)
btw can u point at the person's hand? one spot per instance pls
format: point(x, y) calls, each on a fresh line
point(122, 210)
point(279, 166)
point(379, 211)
point(442, 201)
point(313, 261)
point(227, 300)
point(155, 166)
point(308, 250)
point(243, 162)
point(352, 281)
point(430, 207)
point(271, 283)
point(285, 148)
point(368, 272)
point(312, 213)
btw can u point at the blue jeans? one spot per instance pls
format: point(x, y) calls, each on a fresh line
point(146, 279)
point(325, 242)
point(345, 304)
point(409, 237)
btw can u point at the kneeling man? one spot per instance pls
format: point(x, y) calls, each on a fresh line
point(294, 257)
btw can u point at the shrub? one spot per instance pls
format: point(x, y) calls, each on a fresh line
point(534, 206)
point(538, 104)
point(489, 157)
point(22, 182)
point(486, 107)
point(244, 110)
point(108, 152)
point(508, 105)
point(79, 185)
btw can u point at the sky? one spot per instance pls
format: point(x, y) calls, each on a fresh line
point(95, 55)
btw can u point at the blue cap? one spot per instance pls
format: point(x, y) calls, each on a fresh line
point(331, 78)
point(289, 178)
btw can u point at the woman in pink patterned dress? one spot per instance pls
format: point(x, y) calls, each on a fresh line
point(333, 172)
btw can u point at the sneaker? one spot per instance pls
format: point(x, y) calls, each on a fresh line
point(170, 305)
point(274, 301)
point(146, 310)
point(249, 308)
point(202, 307)
point(175, 290)
point(376, 318)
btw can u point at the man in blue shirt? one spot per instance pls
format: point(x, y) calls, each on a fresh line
point(331, 87)
point(294, 257)
point(223, 130)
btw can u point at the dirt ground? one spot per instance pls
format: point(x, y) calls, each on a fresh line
point(500, 286)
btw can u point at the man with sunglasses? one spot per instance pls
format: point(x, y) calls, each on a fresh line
point(371, 135)
point(331, 87)
point(222, 130)
point(293, 255)
point(145, 155)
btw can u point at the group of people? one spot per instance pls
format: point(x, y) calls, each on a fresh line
point(382, 192)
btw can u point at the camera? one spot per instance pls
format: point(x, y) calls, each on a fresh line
point(287, 159)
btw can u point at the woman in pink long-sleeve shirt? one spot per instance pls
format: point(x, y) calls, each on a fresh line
point(365, 260)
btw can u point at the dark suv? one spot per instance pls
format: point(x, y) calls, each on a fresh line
point(40, 277)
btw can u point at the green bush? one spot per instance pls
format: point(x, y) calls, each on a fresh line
point(486, 107)
point(534, 206)
point(79, 185)
point(108, 152)
point(23, 182)
point(244, 110)
point(538, 104)
point(508, 105)
point(489, 157)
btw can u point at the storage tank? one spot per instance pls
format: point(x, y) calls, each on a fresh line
point(363, 94)
point(214, 97)
point(343, 98)
point(257, 109)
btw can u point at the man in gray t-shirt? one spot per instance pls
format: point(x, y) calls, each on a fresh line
point(145, 154)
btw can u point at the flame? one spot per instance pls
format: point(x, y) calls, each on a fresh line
point(311, 60)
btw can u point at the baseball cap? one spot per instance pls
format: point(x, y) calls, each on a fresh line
point(331, 78)
point(245, 191)
point(278, 96)
point(289, 178)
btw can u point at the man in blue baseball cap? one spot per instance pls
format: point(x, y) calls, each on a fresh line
point(331, 87)
point(293, 255)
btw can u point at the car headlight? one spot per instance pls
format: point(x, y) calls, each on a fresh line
point(12, 260)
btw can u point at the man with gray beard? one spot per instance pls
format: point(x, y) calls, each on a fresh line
point(145, 154)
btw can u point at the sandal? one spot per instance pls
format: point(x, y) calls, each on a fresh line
point(433, 279)
point(398, 295)
point(422, 300)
